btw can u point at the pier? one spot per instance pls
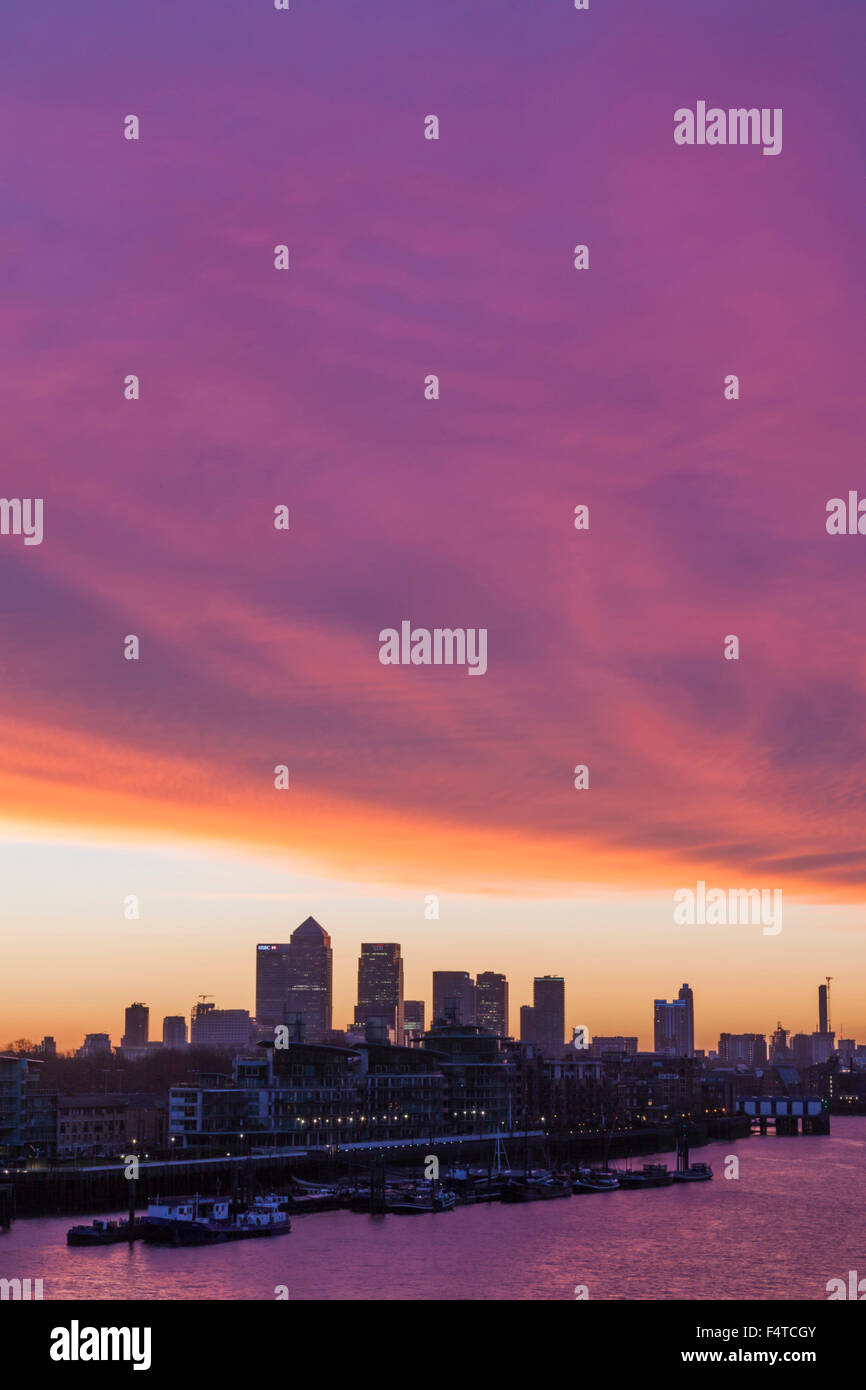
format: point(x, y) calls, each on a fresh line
point(785, 1114)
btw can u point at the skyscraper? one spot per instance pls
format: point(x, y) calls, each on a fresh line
point(310, 978)
point(272, 982)
point(453, 996)
point(823, 1011)
point(136, 1031)
point(491, 995)
point(674, 1025)
point(686, 997)
point(380, 984)
point(548, 1002)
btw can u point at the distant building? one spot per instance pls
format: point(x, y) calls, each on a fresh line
point(548, 1002)
point(674, 1025)
point(95, 1045)
point(527, 1023)
point(453, 997)
point(823, 1008)
point(491, 993)
point(617, 1044)
point(272, 982)
point(779, 1049)
point(174, 1032)
point(228, 1029)
point(136, 1032)
point(413, 1020)
point(749, 1049)
point(380, 984)
point(310, 975)
point(823, 1047)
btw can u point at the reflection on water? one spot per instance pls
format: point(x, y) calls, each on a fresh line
point(792, 1221)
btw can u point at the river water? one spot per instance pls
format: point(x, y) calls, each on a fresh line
point(793, 1219)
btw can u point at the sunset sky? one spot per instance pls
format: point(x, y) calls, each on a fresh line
point(306, 388)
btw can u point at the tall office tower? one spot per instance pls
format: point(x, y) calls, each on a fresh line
point(136, 1031)
point(527, 1023)
point(453, 996)
point(491, 993)
point(548, 1001)
point(272, 982)
point(686, 997)
point(822, 1008)
point(672, 1026)
point(310, 978)
point(413, 1020)
point(380, 984)
point(801, 1048)
point(174, 1031)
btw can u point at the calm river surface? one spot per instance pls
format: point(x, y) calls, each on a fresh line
point(795, 1218)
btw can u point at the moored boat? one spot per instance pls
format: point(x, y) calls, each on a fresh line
point(535, 1189)
point(101, 1232)
point(420, 1198)
point(213, 1220)
point(696, 1172)
point(650, 1175)
point(594, 1180)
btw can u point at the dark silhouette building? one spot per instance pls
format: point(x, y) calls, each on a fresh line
point(548, 1002)
point(310, 979)
point(453, 997)
point(491, 1002)
point(272, 982)
point(380, 984)
point(135, 1033)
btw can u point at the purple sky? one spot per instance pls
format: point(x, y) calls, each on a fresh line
point(558, 387)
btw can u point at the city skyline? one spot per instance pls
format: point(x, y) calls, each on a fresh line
point(546, 1009)
point(260, 647)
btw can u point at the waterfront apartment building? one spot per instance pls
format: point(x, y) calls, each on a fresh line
point(380, 985)
point(491, 994)
point(454, 997)
point(548, 1002)
point(28, 1115)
